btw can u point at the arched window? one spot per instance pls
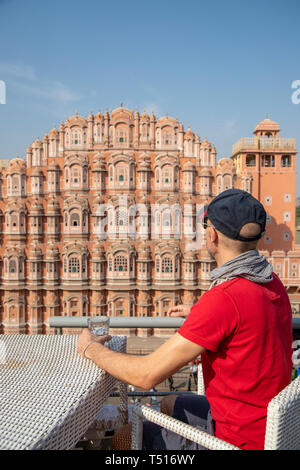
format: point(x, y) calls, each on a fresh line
point(121, 136)
point(75, 220)
point(84, 263)
point(119, 307)
point(250, 160)
point(122, 173)
point(74, 265)
point(158, 134)
point(167, 175)
point(227, 182)
point(120, 263)
point(122, 219)
point(219, 183)
point(267, 160)
point(167, 138)
point(12, 266)
point(67, 138)
point(15, 184)
point(157, 175)
point(144, 132)
point(286, 161)
point(166, 219)
point(14, 220)
point(75, 174)
point(167, 265)
point(76, 137)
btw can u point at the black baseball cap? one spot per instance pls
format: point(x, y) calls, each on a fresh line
point(231, 210)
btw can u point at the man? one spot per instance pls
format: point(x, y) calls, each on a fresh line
point(241, 327)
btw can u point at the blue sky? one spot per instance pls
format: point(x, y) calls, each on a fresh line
point(219, 66)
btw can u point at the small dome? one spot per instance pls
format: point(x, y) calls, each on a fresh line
point(145, 117)
point(98, 250)
point(76, 120)
point(267, 125)
point(17, 162)
point(53, 134)
point(53, 205)
point(36, 207)
point(35, 251)
point(98, 202)
point(189, 134)
point(205, 172)
point(144, 166)
point(205, 143)
point(37, 143)
point(98, 117)
point(188, 166)
point(190, 255)
point(144, 251)
point(98, 164)
point(52, 251)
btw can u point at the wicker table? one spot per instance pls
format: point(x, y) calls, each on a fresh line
point(49, 394)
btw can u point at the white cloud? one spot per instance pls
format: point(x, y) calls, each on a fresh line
point(55, 91)
point(230, 124)
point(23, 77)
point(17, 70)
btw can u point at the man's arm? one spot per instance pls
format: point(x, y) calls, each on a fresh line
point(179, 311)
point(145, 371)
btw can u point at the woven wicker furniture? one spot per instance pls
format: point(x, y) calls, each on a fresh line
point(49, 394)
point(282, 429)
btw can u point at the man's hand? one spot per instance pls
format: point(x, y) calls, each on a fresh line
point(86, 337)
point(179, 311)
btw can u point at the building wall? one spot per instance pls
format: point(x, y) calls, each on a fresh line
point(101, 218)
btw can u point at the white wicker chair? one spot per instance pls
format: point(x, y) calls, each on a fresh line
point(282, 429)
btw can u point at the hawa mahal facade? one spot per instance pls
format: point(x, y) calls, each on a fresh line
point(102, 217)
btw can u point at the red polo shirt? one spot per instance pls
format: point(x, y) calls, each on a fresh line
point(246, 329)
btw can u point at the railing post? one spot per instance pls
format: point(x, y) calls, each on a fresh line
point(137, 428)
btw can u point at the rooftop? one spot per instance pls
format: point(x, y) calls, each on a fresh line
point(264, 143)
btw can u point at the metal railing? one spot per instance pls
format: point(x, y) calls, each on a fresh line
point(129, 322)
point(264, 144)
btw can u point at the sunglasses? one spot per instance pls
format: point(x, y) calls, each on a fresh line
point(205, 225)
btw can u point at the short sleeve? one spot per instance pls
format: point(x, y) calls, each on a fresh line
point(211, 320)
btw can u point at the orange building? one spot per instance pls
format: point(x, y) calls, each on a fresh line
point(101, 217)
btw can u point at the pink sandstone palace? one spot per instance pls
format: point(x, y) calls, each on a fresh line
point(101, 218)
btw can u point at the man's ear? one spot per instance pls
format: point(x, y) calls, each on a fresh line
point(213, 235)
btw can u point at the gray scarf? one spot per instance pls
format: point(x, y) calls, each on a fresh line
point(250, 265)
